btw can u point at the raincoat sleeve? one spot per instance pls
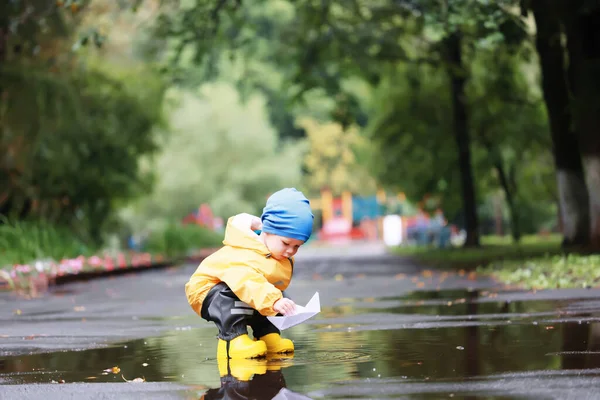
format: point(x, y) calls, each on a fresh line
point(251, 287)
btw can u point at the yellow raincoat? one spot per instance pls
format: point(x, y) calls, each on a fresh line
point(245, 265)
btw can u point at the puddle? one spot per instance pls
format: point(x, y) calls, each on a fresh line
point(505, 349)
point(324, 359)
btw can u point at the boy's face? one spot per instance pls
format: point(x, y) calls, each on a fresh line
point(282, 247)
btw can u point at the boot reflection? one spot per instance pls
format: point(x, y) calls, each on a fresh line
point(252, 379)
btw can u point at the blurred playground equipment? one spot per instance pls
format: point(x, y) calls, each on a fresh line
point(204, 217)
point(386, 217)
point(390, 218)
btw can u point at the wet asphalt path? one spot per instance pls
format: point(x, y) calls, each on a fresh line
point(387, 329)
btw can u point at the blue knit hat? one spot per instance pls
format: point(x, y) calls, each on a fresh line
point(287, 213)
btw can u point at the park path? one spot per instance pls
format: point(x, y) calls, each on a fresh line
point(388, 329)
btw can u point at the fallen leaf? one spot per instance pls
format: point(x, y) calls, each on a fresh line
point(317, 277)
point(472, 276)
point(360, 276)
point(79, 308)
point(449, 303)
point(460, 301)
point(339, 277)
point(17, 312)
point(92, 377)
point(420, 284)
point(400, 276)
point(461, 272)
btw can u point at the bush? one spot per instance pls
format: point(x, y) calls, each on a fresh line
point(178, 240)
point(22, 242)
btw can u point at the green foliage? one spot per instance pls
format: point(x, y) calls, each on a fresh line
point(332, 160)
point(219, 151)
point(410, 127)
point(74, 140)
point(25, 241)
point(178, 240)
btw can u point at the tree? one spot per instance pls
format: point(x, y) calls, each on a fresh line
point(331, 160)
point(509, 125)
point(73, 141)
point(573, 193)
point(330, 41)
point(581, 22)
point(570, 81)
point(219, 151)
point(72, 131)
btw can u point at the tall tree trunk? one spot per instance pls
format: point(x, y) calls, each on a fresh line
point(583, 42)
point(515, 218)
point(456, 72)
point(573, 193)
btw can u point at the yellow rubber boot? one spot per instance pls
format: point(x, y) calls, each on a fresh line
point(241, 347)
point(242, 369)
point(276, 344)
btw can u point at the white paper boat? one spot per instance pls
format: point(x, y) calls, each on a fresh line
point(312, 308)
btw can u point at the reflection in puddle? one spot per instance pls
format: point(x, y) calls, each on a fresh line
point(251, 379)
point(338, 361)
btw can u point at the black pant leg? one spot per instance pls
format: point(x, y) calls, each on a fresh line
point(225, 309)
point(261, 325)
point(231, 389)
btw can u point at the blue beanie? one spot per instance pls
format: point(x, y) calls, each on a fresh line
point(287, 213)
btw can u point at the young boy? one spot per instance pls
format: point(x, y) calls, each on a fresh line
point(242, 283)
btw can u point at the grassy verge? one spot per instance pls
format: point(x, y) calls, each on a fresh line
point(493, 249)
point(537, 262)
point(34, 249)
point(22, 242)
point(548, 272)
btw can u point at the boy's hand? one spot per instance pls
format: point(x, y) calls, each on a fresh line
point(285, 306)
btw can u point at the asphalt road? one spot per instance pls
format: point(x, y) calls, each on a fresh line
point(376, 311)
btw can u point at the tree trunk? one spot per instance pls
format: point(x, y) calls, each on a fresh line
point(515, 220)
point(573, 193)
point(583, 42)
point(456, 72)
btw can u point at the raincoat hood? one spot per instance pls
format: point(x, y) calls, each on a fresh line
point(243, 238)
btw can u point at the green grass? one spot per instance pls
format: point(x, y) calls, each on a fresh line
point(552, 271)
point(22, 242)
point(493, 249)
point(536, 262)
point(178, 240)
